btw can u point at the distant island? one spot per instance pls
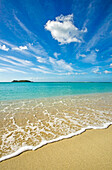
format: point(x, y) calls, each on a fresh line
point(21, 81)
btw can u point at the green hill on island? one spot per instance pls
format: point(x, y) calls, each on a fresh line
point(21, 81)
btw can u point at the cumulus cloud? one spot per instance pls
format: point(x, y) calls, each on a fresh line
point(20, 48)
point(63, 30)
point(4, 48)
point(107, 72)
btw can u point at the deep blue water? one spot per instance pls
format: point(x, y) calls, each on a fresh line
point(12, 91)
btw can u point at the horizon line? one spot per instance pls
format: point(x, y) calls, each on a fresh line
point(59, 82)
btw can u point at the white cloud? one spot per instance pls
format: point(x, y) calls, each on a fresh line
point(97, 50)
point(107, 72)
point(63, 30)
point(56, 55)
point(38, 49)
point(7, 43)
point(60, 65)
point(10, 61)
point(101, 33)
point(14, 47)
point(90, 58)
point(79, 73)
point(63, 74)
point(15, 70)
point(19, 62)
point(22, 25)
point(41, 59)
point(20, 48)
point(43, 67)
point(40, 70)
point(96, 70)
point(23, 62)
point(3, 47)
point(3, 70)
point(82, 55)
point(7, 69)
point(111, 65)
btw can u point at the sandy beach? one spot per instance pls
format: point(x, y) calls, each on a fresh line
point(89, 150)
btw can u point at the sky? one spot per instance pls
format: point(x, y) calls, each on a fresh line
point(56, 40)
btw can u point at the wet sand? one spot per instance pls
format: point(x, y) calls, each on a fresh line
point(90, 150)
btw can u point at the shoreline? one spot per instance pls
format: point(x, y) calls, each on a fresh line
point(43, 143)
point(30, 146)
point(56, 97)
point(89, 150)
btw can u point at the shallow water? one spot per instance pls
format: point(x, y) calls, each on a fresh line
point(13, 91)
point(28, 124)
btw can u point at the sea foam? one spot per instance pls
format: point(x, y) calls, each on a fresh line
point(30, 124)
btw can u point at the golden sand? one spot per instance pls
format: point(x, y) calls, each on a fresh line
point(91, 150)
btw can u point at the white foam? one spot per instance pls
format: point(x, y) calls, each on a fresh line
point(44, 142)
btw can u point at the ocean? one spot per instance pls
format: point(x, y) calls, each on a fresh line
point(34, 114)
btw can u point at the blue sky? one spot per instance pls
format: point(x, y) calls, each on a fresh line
point(56, 40)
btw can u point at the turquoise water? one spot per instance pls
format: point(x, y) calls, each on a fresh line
point(31, 123)
point(13, 91)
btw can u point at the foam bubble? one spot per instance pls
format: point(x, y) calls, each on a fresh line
point(30, 124)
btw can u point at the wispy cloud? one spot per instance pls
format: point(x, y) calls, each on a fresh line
point(15, 70)
point(80, 73)
point(40, 70)
point(41, 59)
point(10, 61)
point(64, 31)
point(101, 33)
point(19, 62)
point(4, 48)
point(43, 67)
point(37, 49)
point(7, 43)
point(23, 26)
point(3, 70)
point(60, 65)
point(24, 62)
point(8, 69)
point(90, 58)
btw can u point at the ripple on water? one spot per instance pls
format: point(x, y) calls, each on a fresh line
point(26, 123)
